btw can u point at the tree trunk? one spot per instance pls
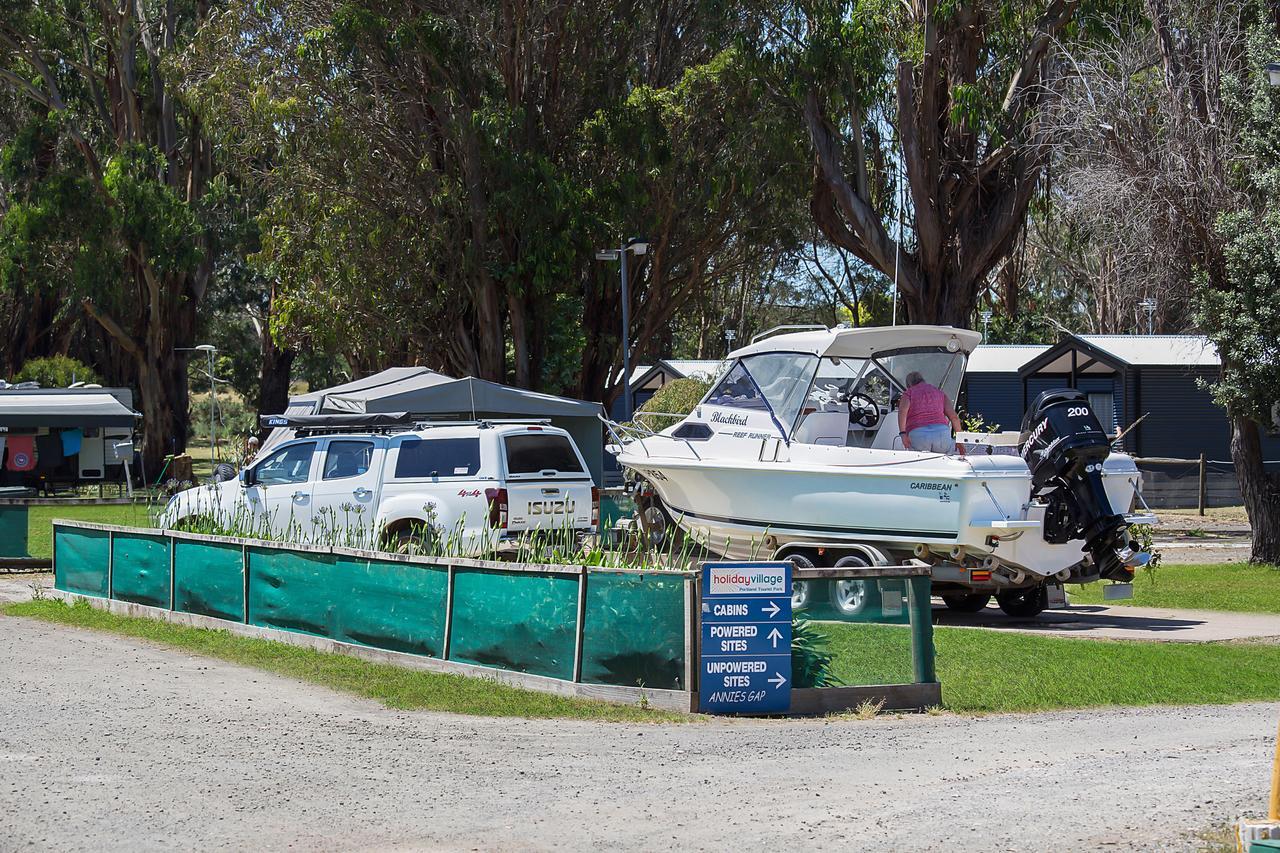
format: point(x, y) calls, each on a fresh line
point(162, 386)
point(1258, 489)
point(273, 384)
point(520, 340)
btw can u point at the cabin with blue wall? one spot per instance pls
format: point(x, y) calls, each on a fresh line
point(1126, 377)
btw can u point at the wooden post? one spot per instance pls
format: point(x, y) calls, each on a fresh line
point(579, 627)
point(1203, 485)
point(173, 596)
point(920, 607)
point(244, 570)
point(111, 562)
point(448, 614)
point(1274, 811)
point(693, 638)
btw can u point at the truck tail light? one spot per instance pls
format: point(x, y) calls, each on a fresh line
point(595, 507)
point(497, 507)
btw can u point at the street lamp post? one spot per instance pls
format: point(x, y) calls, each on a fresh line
point(986, 319)
point(1149, 305)
point(639, 246)
point(729, 335)
point(209, 350)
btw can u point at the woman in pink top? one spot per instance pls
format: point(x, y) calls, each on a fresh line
point(926, 417)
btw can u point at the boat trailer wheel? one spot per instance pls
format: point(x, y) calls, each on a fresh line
point(655, 525)
point(849, 596)
point(801, 591)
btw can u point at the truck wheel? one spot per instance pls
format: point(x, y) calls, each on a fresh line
point(972, 603)
point(1023, 603)
point(851, 597)
point(801, 591)
point(418, 539)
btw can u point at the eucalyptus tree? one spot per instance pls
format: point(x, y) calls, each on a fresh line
point(439, 175)
point(924, 119)
point(111, 184)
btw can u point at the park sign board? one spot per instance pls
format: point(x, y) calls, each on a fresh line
point(745, 665)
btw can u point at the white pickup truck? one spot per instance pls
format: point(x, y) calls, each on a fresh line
point(469, 486)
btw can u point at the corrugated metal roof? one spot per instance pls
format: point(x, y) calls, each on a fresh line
point(708, 368)
point(1179, 350)
point(1002, 358)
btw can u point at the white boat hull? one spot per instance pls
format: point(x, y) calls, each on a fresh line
point(893, 500)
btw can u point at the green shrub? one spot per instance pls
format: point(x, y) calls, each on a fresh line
point(234, 419)
point(675, 398)
point(811, 657)
point(57, 371)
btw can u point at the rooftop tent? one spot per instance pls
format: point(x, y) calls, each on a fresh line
point(57, 408)
point(432, 396)
point(372, 383)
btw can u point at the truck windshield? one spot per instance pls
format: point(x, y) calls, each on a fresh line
point(531, 453)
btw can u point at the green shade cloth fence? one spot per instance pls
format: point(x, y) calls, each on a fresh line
point(592, 626)
point(632, 624)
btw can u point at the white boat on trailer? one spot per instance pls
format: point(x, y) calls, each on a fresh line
point(796, 453)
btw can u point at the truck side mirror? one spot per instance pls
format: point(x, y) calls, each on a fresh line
point(246, 478)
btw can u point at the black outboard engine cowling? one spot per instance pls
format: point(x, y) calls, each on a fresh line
point(1064, 446)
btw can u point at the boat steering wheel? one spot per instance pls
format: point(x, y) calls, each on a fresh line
point(863, 410)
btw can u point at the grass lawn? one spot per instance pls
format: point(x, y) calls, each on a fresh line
point(988, 671)
point(40, 521)
point(393, 686)
point(1244, 587)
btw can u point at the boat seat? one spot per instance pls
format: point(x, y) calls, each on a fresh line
point(829, 428)
point(887, 437)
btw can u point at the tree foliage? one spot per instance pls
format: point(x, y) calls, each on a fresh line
point(925, 121)
point(106, 173)
point(439, 176)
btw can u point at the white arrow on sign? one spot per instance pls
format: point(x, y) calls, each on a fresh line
point(775, 635)
point(777, 680)
point(773, 609)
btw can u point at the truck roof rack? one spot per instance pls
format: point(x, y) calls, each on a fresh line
point(375, 422)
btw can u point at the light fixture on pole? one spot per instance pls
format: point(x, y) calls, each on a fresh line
point(729, 335)
point(209, 350)
point(1149, 305)
point(637, 246)
point(986, 320)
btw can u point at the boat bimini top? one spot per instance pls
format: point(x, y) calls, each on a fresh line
point(842, 342)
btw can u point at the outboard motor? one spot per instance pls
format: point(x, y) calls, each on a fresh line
point(1064, 446)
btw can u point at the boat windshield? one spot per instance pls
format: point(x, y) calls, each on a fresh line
point(940, 368)
point(839, 378)
point(774, 382)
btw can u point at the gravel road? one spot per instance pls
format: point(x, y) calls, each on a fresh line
point(109, 743)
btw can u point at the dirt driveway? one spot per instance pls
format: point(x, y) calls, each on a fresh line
point(109, 743)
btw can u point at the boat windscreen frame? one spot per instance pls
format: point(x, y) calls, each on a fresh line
point(939, 350)
point(773, 415)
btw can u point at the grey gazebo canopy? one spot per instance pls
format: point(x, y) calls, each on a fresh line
point(433, 396)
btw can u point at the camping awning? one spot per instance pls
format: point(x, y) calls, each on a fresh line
point(26, 410)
